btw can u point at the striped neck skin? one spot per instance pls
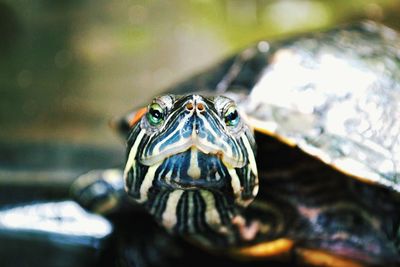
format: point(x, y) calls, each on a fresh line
point(191, 163)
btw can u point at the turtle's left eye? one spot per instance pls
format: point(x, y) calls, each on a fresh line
point(231, 116)
point(155, 115)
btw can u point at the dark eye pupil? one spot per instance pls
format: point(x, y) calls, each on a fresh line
point(155, 113)
point(231, 116)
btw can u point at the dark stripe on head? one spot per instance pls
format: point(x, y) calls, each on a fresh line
point(191, 163)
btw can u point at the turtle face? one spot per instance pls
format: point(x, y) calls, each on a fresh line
point(191, 161)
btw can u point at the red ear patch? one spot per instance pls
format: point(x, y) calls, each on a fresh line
point(138, 115)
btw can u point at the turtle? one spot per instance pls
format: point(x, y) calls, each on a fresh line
point(288, 150)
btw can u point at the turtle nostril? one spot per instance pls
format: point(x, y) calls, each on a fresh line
point(189, 106)
point(200, 107)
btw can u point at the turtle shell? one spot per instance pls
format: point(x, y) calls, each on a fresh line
point(334, 94)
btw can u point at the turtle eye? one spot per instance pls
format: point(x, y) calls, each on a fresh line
point(231, 116)
point(155, 115)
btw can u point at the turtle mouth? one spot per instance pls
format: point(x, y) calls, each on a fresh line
point(192, 169)
point(194, 184)
point(208, 148)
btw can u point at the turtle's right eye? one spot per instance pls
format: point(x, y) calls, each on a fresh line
point(231, 116)
point(155, 115)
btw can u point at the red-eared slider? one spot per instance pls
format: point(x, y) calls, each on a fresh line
point(323, 187)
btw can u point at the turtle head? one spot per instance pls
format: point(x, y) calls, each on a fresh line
point(191, 162)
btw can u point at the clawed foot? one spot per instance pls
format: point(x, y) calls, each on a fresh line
point(99, 190)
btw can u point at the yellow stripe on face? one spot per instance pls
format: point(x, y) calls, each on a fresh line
point(228, 151)
point(147, 182)
point(169, 218)
point(157, 147)
point(132, 153)
point(211, 214)
point(235, 182)
point(250, 153)
point(131, 162)
point(194, 170)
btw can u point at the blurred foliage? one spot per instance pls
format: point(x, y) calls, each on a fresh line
point(66, 67)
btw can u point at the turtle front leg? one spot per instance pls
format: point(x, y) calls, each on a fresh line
point(100, 191)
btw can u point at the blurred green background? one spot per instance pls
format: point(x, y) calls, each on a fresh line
point(67, 67)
